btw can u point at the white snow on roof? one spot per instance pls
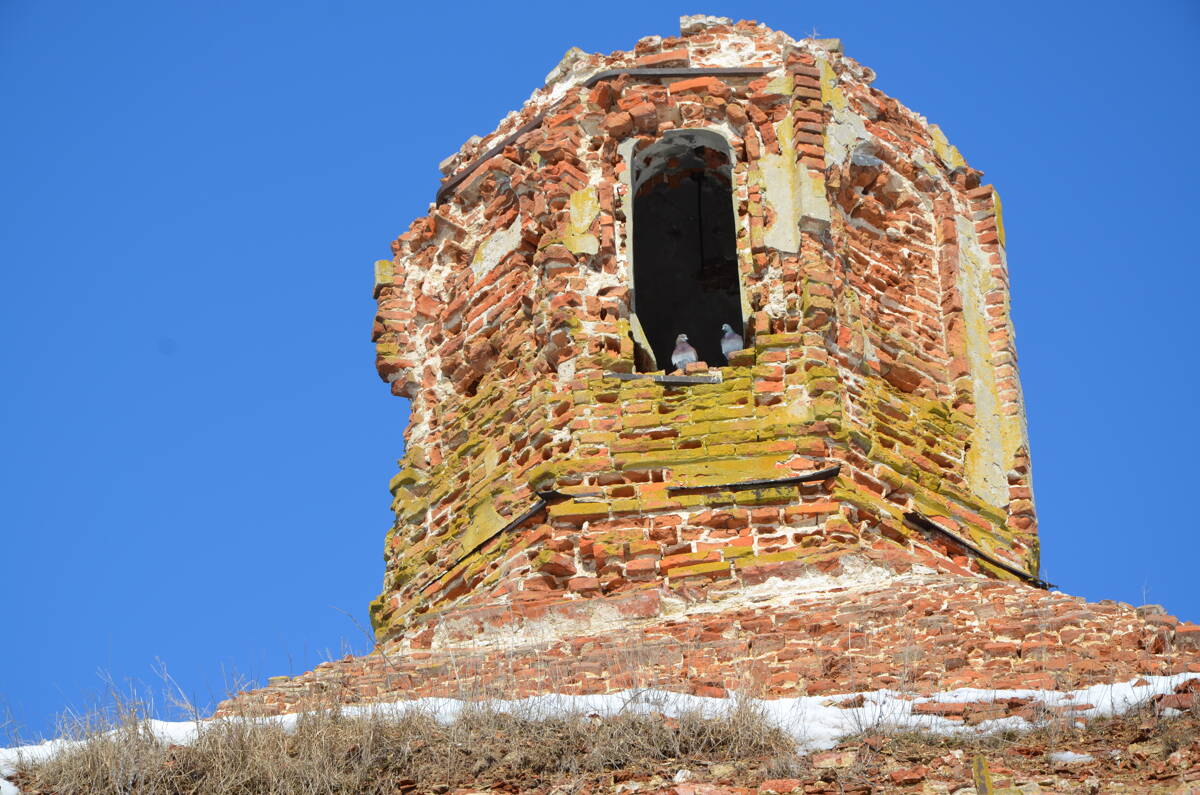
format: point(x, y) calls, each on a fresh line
point(816, 722)
point(1070, 758)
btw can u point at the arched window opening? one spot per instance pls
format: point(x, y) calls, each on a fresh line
point(685, 271)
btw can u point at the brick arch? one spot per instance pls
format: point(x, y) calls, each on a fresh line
point(682, 244)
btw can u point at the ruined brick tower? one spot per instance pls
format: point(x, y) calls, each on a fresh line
point(872, 419)
point(841, 505)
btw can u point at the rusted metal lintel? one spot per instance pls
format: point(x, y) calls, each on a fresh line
point(543, 501)
point(608, 74)
point(679, 71)
point(923, 522)
point(715, 378)
point(533, 510)
point(820, 474)
point(554, 494)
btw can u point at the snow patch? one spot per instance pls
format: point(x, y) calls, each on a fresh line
point(816, 722)
point(1070, 758)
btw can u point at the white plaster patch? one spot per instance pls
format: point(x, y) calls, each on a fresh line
point(565, 372)
point(781, 190)
point(988, 454)
point(844, 132)
point(565, 66)
point(813, 201)
point(732, 53)
point(495, 248)
point(603, 617)
point(776, 303)
point(858, 576)
point(696, 23)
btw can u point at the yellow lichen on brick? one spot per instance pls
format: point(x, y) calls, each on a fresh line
point(831, 94)
point(998, 209)
point(715, 567)
point(949, 154)
point(709, 472)
point(874, 318)
point(384, 273)
point(584, 208)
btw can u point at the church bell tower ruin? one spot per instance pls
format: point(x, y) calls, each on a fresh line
point(870, 422)
point(833, 498)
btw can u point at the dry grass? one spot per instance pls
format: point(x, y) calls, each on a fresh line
point(1055, 732)
point(1128, 750)
point(329, 751)
point(333, 750)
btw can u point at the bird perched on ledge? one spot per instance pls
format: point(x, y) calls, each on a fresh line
point(683, 354)
point(730, 341)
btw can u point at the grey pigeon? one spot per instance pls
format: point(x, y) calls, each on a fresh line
point(683, 354)
point(730, 341)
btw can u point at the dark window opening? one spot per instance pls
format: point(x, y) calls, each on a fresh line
point(685, 270)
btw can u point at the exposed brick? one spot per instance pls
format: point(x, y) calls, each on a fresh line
point(541, 497)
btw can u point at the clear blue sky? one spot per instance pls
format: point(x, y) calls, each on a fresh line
point(196, 448)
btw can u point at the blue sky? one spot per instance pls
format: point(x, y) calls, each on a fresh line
point(196, 446)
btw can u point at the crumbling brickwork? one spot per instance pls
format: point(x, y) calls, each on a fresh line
point(842, 506)
point(878, 348)
point(917, 633)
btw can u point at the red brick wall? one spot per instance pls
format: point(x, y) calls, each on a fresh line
point(872, 270)
point(921, 634)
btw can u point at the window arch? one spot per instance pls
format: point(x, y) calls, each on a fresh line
point(685, 269)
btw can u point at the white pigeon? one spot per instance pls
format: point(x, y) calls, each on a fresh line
point(730, 341)
point(683, 354)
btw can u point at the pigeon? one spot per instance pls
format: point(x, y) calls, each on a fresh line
point(730, 341)
point(683, 354)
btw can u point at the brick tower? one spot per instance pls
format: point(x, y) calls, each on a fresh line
point(871, 419)
point(839, 505)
